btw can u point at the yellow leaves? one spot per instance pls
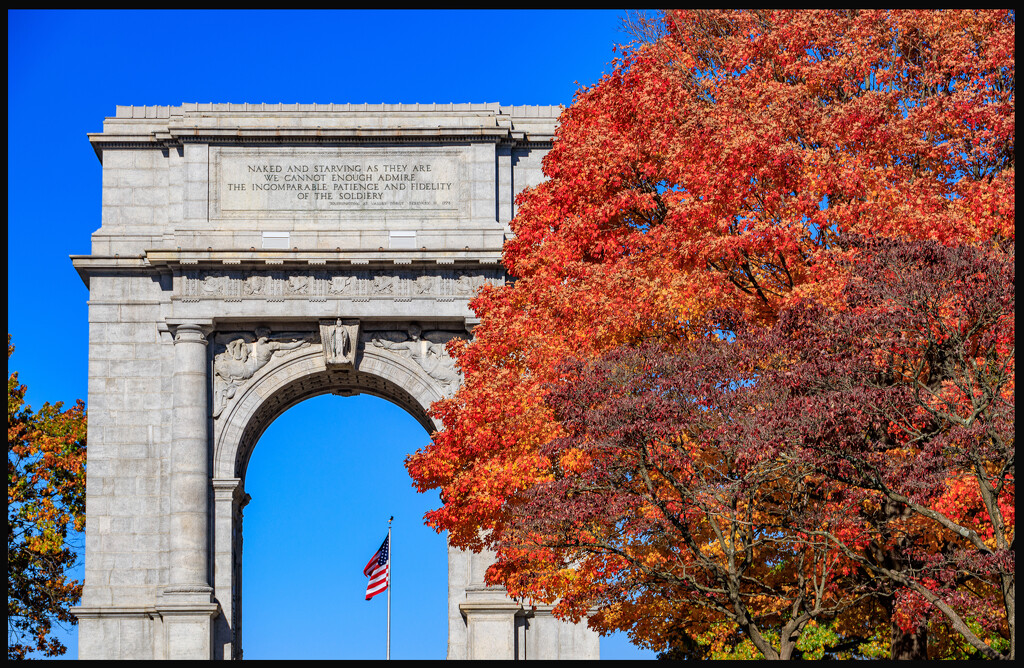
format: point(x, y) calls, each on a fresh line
point(45, 503)
point(574, 460)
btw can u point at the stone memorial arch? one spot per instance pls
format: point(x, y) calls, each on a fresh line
point(250, 257)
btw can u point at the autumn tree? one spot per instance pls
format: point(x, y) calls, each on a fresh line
point(45, 508)
point(715, 168)
point(840, 464)
point(905, 398)
point(663, 513)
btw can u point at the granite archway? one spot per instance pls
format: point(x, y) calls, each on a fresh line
point(250, 256)
point(304, 374)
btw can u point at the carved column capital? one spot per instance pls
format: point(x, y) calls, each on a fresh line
point(190, 332)
point(227, 489)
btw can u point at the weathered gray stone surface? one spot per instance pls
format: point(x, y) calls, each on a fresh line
point(251, 256)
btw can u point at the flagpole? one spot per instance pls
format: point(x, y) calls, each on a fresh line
point(390, 552)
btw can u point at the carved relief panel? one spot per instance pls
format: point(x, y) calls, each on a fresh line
point(239, 356)
point(242, 356)
point(426, 349)
point(358, 284)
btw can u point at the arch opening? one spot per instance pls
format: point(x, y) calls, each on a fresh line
point(293, 382)
point(304, 374)
point(323, 478)
point(345, 383)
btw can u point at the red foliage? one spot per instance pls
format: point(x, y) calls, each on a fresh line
point(907, 395)
point(717, 167)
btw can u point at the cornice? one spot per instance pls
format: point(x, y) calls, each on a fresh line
point(295, 259)
point(169, 127)
point(318, 257)
point(291, 137)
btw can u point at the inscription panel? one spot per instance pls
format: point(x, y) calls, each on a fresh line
point(337, 182)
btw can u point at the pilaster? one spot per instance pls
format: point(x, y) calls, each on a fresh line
point(228, 500)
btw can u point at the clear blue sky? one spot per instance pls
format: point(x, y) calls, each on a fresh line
point(308, 530)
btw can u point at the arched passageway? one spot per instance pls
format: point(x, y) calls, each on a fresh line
point(398, 382)
point(479, 619)
point(309, 530)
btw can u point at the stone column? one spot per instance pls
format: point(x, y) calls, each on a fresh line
point(186, 606)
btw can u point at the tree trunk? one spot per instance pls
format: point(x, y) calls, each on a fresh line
point(907, 645)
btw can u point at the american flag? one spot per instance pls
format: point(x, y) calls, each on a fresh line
point(377, 570)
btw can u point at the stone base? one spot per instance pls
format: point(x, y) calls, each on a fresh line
point(187, 616)
point(491, 628)
point(188, 631)
point(118, 633)
point(498, 627)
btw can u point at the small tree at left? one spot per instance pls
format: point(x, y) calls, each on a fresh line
point(45, 511)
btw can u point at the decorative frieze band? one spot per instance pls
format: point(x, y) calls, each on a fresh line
point(399, 283)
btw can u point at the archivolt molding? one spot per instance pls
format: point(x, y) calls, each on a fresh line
point(302, 374)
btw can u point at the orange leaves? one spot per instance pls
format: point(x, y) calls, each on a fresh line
point(962, 502)
point(721, 168)
point(45, 505)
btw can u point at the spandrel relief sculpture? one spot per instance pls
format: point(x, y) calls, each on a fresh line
point(429, 352)
point(242, 358)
